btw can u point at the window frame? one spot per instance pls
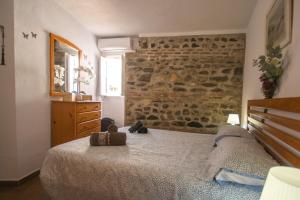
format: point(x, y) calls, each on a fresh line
point(103, 89)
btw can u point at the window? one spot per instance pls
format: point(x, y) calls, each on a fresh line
point(111, 75)
point(72, 64)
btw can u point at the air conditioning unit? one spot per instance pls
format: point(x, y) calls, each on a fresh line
point(115, 45)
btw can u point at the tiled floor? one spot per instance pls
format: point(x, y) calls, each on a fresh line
point(30, 190)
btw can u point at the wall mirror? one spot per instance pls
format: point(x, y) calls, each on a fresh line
point(64, 62)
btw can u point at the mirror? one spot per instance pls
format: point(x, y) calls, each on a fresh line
point(64, 60)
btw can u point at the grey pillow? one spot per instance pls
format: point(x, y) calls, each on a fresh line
point(229, 177)
point(231, 131)
point(240, 155)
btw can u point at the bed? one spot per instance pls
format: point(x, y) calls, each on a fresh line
point(167, 164)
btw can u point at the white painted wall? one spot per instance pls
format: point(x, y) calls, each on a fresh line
point(25, 81)
point(114, 107)
point(8, 142)
point(256, 36)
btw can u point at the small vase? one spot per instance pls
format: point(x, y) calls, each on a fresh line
point(269, 88)
point(269, 93)
point(78, 97)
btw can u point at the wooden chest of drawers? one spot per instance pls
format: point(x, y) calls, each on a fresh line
point(73, 120)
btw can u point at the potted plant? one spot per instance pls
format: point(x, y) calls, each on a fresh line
point(271, 68)
point(83, 79)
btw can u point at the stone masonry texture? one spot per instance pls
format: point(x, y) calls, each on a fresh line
point(184, 83)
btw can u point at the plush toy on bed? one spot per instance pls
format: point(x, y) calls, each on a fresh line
point(138, 127)
point(110, 138)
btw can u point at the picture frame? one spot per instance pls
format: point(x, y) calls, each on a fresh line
point(2, 46)
point(279, 23)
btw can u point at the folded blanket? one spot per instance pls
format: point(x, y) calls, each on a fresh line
point(117, 139)
point(99, 139)
point(110, 138)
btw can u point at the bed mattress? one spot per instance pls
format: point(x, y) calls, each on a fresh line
point(158, 165)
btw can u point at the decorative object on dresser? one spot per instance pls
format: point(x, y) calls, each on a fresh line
point(86, 97)
point(69, 96)
point(271, 67)
point(73, 120)
point(78, 96)
point(88, 76)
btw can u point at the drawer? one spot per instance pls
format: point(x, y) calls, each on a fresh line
point(87, 125)
point(88, 116)
point(88, 132)
point(87, 107)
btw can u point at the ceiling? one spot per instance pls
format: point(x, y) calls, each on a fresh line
point(134, 17)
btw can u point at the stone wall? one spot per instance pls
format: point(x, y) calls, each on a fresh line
point(186, 83)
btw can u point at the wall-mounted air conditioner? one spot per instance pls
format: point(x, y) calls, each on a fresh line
point(115, 45)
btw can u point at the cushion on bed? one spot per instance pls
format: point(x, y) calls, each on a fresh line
point(240, 155)
point(231, 131)
point(229, 177)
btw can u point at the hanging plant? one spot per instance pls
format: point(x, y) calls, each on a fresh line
point(271, 68)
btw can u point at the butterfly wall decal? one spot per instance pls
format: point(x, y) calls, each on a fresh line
point(33, 35)
point(25, 35)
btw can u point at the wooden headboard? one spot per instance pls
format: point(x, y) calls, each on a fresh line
point(275, 125)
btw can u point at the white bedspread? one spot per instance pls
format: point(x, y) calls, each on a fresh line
point(158, 165)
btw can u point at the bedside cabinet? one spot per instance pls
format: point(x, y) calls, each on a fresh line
point(73, 120)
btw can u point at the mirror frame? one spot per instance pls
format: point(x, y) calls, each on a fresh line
point(54, 37)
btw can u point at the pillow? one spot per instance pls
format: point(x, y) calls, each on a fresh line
point(240, 155)
point(229, 177)
point(231, 131)
point(246, 134)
